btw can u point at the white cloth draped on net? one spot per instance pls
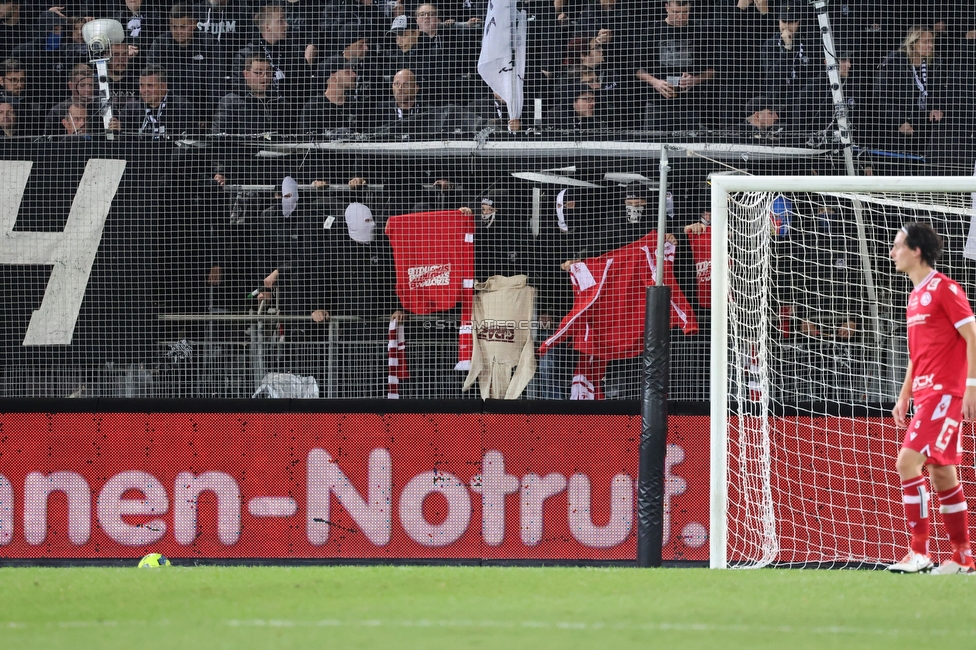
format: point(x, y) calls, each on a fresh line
point(285, 385)
point(503, 360)
point(808, 355)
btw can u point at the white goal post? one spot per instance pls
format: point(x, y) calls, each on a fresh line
point(807, 353)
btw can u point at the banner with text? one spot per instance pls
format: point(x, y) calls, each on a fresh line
point(331, 486)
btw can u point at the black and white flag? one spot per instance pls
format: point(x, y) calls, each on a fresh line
point(502, 60)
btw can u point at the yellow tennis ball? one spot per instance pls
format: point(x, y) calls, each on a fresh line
point(153, 561)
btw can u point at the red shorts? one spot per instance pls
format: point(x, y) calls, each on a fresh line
point(934, 430)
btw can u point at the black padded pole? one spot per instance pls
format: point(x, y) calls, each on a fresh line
point(654, 430)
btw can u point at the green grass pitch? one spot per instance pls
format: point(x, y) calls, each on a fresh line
point(491, 607)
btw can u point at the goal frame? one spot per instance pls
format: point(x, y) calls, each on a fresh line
point(721, 186)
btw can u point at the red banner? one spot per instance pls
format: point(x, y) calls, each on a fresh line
point(340, 486)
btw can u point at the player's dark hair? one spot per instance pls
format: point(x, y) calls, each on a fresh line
point(922, 237)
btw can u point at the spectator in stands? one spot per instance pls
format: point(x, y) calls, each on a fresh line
point(227, 23)
point(81, 87)
point(8, 120)
point(195, 70)
point(355, 54)
point(445, 57)
point(122, 75)
point(748, 24)
point(142, 26)
point(255, 110)
point(75, 121)
point(789, 63)
point(544, 40)
point(406, 113)
point(290, 79)
point(13, 90)
point(367, 290)
point(636, 223)
point(582, 107)
point(403, 53)
point(302, 280)
point(44, 57)
point(304, 18)
point(335, 109)
point(13, 27)
point(910, 94)
point(584, 57)
point(13, 81)
point(502, 241)
point(612, 31)
point(760, 120)
point(677, 69)
point(442, 192)
point(365, 16)
point(158, 113)
point(75, 48)
point(351, 46)
point(615, 229)
point(564, 235)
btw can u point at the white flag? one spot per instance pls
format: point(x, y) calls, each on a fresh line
point(502, 60)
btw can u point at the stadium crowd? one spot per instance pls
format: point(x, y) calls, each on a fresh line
point(751, 70)
point(340, 67)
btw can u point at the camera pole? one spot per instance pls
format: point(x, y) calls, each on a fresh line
point(100, 35)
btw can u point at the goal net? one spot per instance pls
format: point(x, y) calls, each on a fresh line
point(808, 354)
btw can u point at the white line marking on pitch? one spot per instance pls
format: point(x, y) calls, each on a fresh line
point(600, 626)
point(596, 626)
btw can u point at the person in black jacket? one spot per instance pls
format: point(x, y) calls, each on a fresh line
point(195, 70)
point(790, 63)
point(227, 21)
point(407, 113)
point(46, 59)
point(910, 94)
point(158, 113)
point(289, 259)
point(290, 74)
point(677, 69)
point(254, 111)
point(360, 260)
point(142, 26)
point(335, 109)
point(502, 241)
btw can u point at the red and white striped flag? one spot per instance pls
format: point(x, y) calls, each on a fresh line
point(396, 360)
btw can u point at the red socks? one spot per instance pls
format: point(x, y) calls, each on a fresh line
point(956, 519)
point(915, 497)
